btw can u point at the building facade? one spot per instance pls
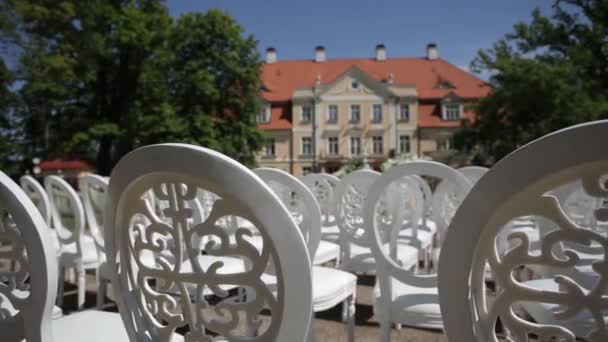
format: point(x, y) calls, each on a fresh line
point(318, 114)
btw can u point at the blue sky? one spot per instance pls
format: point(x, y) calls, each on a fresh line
point(352, 28)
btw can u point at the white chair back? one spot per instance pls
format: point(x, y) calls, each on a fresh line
point(300, 202)
point(94, 190)
point(67, 212)
point(28, 268)
point(176, 173)
point(323, 188)
point(473, 173)
point(521, 185)
point(37, 194)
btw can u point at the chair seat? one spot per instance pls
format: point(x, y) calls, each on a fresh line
point(425, 237)
point(330, 286)
point(326, 251)
point(93, 326)
point(90, 258)
point(362, 260)
point(543, 313)
point(413, 306)
point(104, 271)
point(330, 233)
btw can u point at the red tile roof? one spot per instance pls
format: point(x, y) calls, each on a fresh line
point(282, 78)
point(65, 164)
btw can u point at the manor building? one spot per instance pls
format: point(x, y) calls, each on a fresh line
point(320, 113)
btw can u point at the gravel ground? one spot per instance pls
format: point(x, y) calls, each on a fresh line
point(327, 324)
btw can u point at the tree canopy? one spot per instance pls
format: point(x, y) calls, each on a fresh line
point(97, 79)
point(547, 74)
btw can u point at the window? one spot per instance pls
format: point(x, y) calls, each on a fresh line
point(306, 170)
point(377, 113)
point(306, 113)
point(354, 85)
point(264, 115)
point(355, 146)
point(270, 147)
point(451, 111)
point(332, 113)
point(306, 146)
point(332, 146)
point(404, 112)
point(355, 113)
point(444, 145)
point(404, 143)
point(377, 146)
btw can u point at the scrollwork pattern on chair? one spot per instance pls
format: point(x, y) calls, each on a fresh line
point(14, 268)
point(189, 262)
point(558, 250)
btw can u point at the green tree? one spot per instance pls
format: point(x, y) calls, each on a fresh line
point(100, 78)
point(548, 74)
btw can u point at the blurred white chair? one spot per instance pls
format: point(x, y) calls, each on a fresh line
point(77, 249)
point(323, 190)
point(357, 256)
point(563, 307)
point(402, 296)
point(176, 173)
point(34, 190)
point(27, 292)
point(330, 286)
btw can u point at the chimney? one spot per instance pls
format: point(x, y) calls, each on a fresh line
point(271, 55)
point(431, 52)
point(380, 52)
point(320, 54)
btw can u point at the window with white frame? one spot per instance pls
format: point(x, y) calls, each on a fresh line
point(377, 144)
point(404, 144)
point(332, 113)
point(306, 146)
point(404, 112)
point(377, 113)
point(270, 147)
point(355, 146)
point(333, 146)
point(264, 115)
point(306, 114)
point(452, 111)
point(355, 113)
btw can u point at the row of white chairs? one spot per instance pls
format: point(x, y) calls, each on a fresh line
point(169, 253)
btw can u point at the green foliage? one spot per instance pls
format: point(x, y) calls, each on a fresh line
point(100, 78)
point(548, 74)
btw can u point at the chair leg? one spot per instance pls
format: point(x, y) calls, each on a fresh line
point(101, 292)
point(60, 284)
point(350, 324)
point(81, 285)
point(385, 326)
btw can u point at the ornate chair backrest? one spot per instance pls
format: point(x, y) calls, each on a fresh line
point(300, 202)
point(67, 212)
point(94, 191)
point(176, 173)
point(37, 194)
point(28, 268)
point(473, 173)
point(389, 181)
point(521, 184)
point(323, 188)
point(350, 196)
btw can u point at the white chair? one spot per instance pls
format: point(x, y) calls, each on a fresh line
point(357, 256)
point(403, 296)
point(176, 172)
point(28, 291)
point(93, 189)
point(323, 190)
point(77, 249)
point(34, 190)
point(473, 173)
point(330, 286)
point(563, 308)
